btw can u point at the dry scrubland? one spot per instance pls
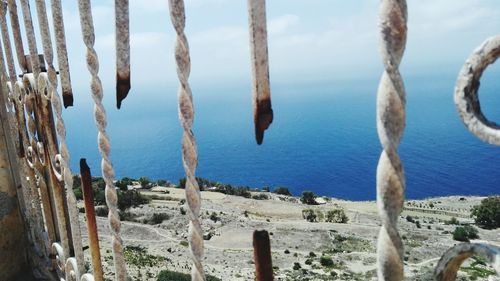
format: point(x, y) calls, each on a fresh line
point(301, 250)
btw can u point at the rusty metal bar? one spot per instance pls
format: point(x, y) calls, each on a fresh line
point(62, 53)
point(34, 170)
point(122, 50)
point(88, 197)
point(262, 256)
point(46, 129)
point(262, 110)
point(16, 31)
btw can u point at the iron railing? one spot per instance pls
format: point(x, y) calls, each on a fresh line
point(34, 112)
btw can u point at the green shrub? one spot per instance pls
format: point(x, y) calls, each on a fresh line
point(336, 216)
point(214, 217)
point(465, 233)
point(296, 266)
point(312, 254)
point(309, 215)
point(78, 193)
point(282, 191)
point(145, 182)
point(326, 261)
point(131, 198)
point(452, 221)
point(127, 216)
point(260, 196)
point(138, 256)
point(161, 183)
point(308, 197)
point(99, 197)
point(101, 211)
point(487, 214)
point(308, 261)
point(410, 219)
point(158, 218)
point(167, 275)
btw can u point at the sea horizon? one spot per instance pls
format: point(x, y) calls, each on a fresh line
point(323, 139)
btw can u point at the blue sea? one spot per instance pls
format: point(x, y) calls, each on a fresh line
point(323, 138)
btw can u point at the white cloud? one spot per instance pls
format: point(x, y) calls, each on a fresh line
point(282, 24)
point(303, 43)
point(149, 6)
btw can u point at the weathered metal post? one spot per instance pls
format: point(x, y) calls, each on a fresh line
point(262, 256)
point(13, 258)
point(88, 197)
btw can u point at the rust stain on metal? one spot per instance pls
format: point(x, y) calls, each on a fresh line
point(263, 113)
point(262, 256)
point(263, 117)
point(122, 88)
point(67, 98)
point(88, 197)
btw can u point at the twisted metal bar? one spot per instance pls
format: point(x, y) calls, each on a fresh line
point(189, 154)
point(390, 125)
point(450, 262)
point(467, 88)
point(16, 31)
point(47, 83)
point(262, 110)
point(62, 53)
point(122, 51)
point(108, 173)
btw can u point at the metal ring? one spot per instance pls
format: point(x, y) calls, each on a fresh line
point(44, 86)
point(58, 167)
point(467, 87)
point(31, 157)
point(60, 258)
point(450, 262)
point(41, 153)
point(19, 92)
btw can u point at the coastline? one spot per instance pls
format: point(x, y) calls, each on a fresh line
point(228, 222)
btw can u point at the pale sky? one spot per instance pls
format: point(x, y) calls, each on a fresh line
point(309, 40)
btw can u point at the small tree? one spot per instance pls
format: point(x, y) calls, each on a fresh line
point(453, 221)
point(308, 197)
point(465, 233)
point(131, 198)
point(282, 191)
point(487, 214)
point(161, 182)
point(326, 261)
point(145, 182)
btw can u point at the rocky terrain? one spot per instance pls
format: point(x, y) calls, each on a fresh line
point(301, 250)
